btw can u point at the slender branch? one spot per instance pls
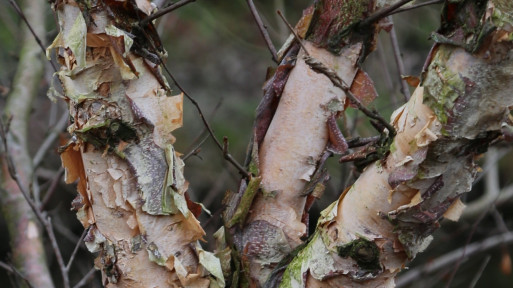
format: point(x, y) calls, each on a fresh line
point(382, 13)
point(22, 15)
point(298, 39)
point(85, 279)
point(196, 149)
point(77, 246)
point(416, 6)
point(454, 256)
point(39, 214)
point(57, 251)
point(338, 82)
point(53, 185)
point(399, 62)
point(164, 11)
point(263, 30)
point(47, 143)
point(227, 156)
point(11, 269)
point(480, 271)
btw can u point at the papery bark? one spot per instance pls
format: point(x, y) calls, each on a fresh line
point(132, 193)
point(387, 217)
point(291, 135)
point(28, 253)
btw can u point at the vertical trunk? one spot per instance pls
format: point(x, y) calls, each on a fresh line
point(268, 218)
point(131, 185)
point(387, 217)
point(25, 231)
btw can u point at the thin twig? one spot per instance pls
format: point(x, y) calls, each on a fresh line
point(399, 62)
point(39, 214)
point(85, 279)
point(53, 186)
point(11, 269)
point(164, 11)
point(480, 271)
point(263, 30)
point(338, 82)
point(200, 111)
point(22, 15)
point(382, 13)
point(196, 149)
point(400, 10)
point(464, 252)
point(454, 256)
point(47, 143)
point(77, 246)
point(227, 155)
point(298, 39)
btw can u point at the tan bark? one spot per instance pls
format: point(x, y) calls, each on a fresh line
point(389, 214)
point(130, 179)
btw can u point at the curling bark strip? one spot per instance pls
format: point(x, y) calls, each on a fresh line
point(132, 193)
point(291, 134)
point(387, 217)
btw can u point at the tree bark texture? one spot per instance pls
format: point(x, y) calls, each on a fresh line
point(132, 193)
point(28, 253)
point(387, 217)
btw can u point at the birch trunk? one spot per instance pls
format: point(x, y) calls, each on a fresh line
point(387, 217)
point(132, 193)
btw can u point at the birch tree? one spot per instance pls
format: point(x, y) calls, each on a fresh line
point(132, 194)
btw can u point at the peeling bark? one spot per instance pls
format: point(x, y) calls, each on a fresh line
point(387, 217)
point(292, 133)
point(132, 193)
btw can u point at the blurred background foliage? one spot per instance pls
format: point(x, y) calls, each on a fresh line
point(217, 54)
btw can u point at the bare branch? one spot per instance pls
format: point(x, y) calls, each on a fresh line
point(338, 82)
point(164, 11)
point(40, 216)
point(454, 256)
point(298, 39)
point(207, 125)
point(22, 15)
point(47, 143)
point(382, 13)
point(263, 30)
point(85, 279)
point(399, 62)
point(11, 269)
point(412, 7)
point(77, 246)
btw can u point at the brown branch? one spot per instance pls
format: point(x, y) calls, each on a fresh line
point(85, 279)
point(293, 31)
point(454, 256)
point(338, 82)
point(164, 11)
point(74, 253)
point(11, 269)
point(412, 7)
point(41, 216)
point(399, 62)
point(226, 155)
point(22, 15)
point(382, 13)
point(263, 30)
